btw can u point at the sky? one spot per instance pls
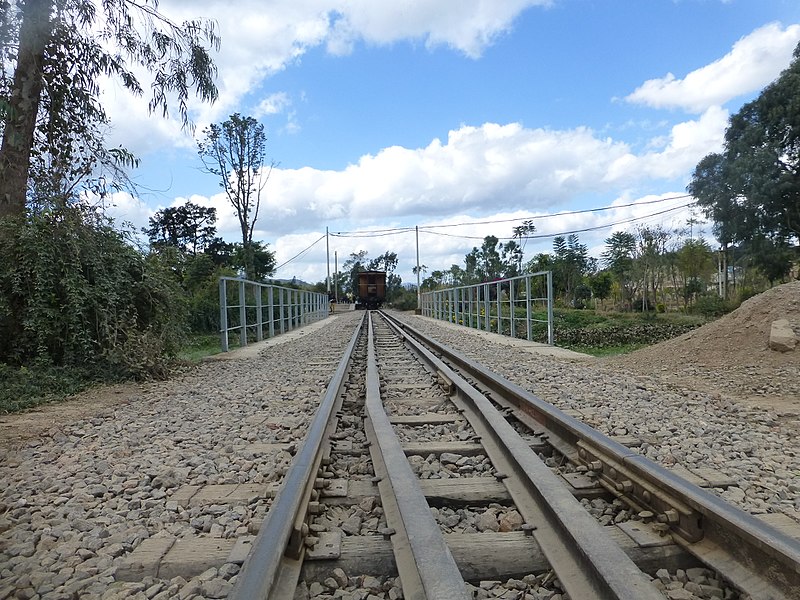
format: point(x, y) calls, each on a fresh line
point(460, 117)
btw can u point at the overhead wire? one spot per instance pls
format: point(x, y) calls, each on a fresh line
point(551, 235)
point(428, 228)
point(398, 230)
point(560, 214)
point(301, 253)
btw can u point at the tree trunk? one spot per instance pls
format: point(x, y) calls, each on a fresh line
point(23, 106)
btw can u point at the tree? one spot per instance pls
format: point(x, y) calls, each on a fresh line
point(261, 260)
point(600, 284)
point(511, 254)
point(651, 247)
point(388, 262)
point(50, 104)
point(571, 262)
point(235, 151)
point(354, 265)
point(752, 188)
point(618, 259)
point(484, 263)
point(695, 263)
point(521, 233)
point(189, 227)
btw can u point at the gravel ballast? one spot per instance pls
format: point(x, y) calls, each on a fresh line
point(82, 494)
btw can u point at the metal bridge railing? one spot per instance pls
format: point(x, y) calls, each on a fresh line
point(518, 306)
point(257, 310)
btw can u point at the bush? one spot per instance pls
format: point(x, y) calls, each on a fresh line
point(74, 293)
point(407, 300)
point(620, 335)
point(24, 387)
point(711, 305)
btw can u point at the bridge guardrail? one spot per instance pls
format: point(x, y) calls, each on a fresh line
point(258, 308)
point(504, 306)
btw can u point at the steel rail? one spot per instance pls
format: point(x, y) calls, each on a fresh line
point(426, 567)
point(754, 556)
point(586, 562)
point(262, 570)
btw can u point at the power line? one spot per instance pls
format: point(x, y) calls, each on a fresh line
point(550, 235)
point(372, 233)
point(301, 253)
point(398, 230)
point(560, 214)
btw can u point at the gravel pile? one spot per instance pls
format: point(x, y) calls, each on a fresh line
point(751, 445)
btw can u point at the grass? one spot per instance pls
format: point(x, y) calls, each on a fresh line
point(198, 346)
point(22, 388)
point(606, 350)
point(26, 387)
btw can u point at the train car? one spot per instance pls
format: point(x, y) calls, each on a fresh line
point(371, 289)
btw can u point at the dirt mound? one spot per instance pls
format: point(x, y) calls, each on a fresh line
point(732, 353)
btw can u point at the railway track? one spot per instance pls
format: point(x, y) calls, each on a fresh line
point(424, 475)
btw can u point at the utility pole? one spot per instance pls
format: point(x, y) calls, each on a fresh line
point(336, 275)
point(419, 291)
point(328, 260)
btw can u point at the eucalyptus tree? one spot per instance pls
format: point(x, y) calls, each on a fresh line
point(571, 262)
point(235, 151)
point(618, 258)
point(651, 248)
point(56, 52)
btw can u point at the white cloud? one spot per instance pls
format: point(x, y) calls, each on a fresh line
point(441, 247)
point(753, 62)
point(468, 26)
point(476, 171)
point(687, 143)
point(273, 104)
point(260, 39)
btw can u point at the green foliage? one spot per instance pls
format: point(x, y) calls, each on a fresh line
point(587, 331)
point(203, 300)
point(752, 190)
point(189, 227)
point(600, 284)
point(53, 121)
point(73, 293)
point(199, 346)
point(711, 305)
point(405, 300)
point(41, 382)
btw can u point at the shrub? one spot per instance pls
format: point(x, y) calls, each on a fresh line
point(711, 305)
point(620, 335)
point(74, 293)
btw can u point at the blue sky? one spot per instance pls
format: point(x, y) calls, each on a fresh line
point(396, 114)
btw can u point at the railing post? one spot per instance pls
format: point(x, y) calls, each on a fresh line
point(223, 314)
point(499, 309)
point(470, 290)
point(511, 314)
point(528, 315)
point(242, 313)
point(486, 319)
point(550, 333)
point(291, 308)
point(281, 307)
point(259, 314)
point(271, 305)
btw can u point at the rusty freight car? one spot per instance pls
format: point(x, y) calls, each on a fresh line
point(371, 289)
